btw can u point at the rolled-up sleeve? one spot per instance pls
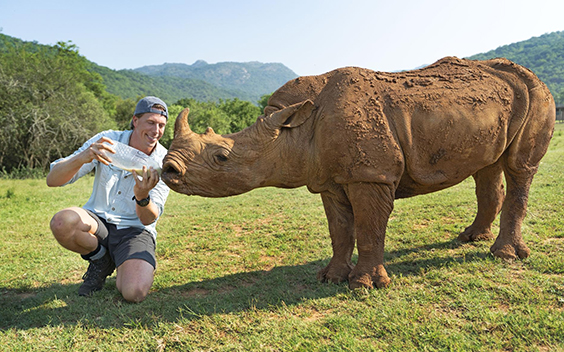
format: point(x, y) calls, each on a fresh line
point(159, 195)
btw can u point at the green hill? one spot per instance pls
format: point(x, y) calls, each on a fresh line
point(543, 55)
point(130, 84)
point(254, 78)
point(201, 81)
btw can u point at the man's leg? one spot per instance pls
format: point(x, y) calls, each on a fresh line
point(134, 279)
point(74, 229)
point(134, 255)
point(77, 230)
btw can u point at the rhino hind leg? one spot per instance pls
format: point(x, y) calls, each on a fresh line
point(520, 164)
point(509, 244)
point(341, 228)
point(490, 195)
point(372, 204)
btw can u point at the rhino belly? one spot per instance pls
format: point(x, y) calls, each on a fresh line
point(443, 150)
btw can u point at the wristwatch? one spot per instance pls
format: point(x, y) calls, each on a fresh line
point(143, 202)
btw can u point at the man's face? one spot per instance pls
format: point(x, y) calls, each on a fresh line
point(149, 128)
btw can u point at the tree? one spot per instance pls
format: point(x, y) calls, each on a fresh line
point(263, 102)
point(124, 109)
point(241, 113)
point(228, 116)
point(560, 99)
point(48, 104)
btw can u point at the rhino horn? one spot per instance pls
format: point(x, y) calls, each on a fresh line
point(181, 126)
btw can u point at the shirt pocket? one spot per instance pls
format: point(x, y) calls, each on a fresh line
point(125, 194)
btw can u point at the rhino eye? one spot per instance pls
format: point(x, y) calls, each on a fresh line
point(220, 158)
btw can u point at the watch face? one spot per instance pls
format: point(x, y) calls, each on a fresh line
point(143, 202)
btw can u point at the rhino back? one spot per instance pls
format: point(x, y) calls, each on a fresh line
point(421, 130)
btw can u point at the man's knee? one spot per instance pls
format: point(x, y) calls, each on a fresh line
point(72, 232)
point(134, 293)
point(134, 279)
point(63, 223)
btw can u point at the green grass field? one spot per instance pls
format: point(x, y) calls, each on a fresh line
point(239, 274)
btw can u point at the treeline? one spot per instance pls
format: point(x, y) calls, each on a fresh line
point(51, 101)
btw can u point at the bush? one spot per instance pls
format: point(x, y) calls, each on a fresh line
point(227, 116)
point(21, 173)
point(49, 104)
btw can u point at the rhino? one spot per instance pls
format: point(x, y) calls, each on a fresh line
point(363, 138)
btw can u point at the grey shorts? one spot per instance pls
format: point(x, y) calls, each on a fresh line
point(127, 243)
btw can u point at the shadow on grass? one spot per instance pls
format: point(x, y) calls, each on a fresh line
point(400, 262)
point(60, 304)
point(282, 286)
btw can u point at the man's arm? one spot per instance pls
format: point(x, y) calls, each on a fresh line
point(63, 171)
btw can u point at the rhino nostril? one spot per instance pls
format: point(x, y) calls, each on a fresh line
point(171, 170)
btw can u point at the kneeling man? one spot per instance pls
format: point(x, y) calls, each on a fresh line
point(116, 227)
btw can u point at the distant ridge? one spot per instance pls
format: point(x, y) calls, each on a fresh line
point(129, 84)
point(254, 78)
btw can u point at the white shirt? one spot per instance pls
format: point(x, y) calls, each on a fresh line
point(112, 192)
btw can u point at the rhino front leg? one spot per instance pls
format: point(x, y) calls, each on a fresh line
point(341, 227)
point(372, 205)
point(490, 195)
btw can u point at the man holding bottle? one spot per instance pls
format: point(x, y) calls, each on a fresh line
point(116, 227)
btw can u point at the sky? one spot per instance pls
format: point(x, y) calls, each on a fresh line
point(308, 36)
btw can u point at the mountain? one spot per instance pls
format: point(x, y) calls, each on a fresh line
point(543, 55)
point(130, 84)
point(254, 78)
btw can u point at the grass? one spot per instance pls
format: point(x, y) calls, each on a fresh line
point(239, 274)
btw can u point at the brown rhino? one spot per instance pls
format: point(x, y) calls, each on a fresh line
point(363, 138)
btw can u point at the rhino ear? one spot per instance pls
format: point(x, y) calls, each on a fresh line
point(292, 116)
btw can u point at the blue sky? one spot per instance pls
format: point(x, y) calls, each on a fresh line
point(308, 36)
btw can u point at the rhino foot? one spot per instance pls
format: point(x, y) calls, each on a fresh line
point(377, 276)
point(510, 251)
point(335, 272)
point(472, 234)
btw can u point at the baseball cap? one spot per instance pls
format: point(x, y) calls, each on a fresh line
point(146, 105)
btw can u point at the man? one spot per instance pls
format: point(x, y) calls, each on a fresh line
point(116, 227)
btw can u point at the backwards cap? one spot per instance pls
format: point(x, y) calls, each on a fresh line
point(146, 105)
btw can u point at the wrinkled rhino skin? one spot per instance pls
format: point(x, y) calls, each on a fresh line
point(362, 139)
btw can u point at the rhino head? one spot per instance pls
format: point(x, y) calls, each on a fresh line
point(266, 153)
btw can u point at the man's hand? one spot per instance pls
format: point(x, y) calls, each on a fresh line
point(97, 152)
point(147, 183)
